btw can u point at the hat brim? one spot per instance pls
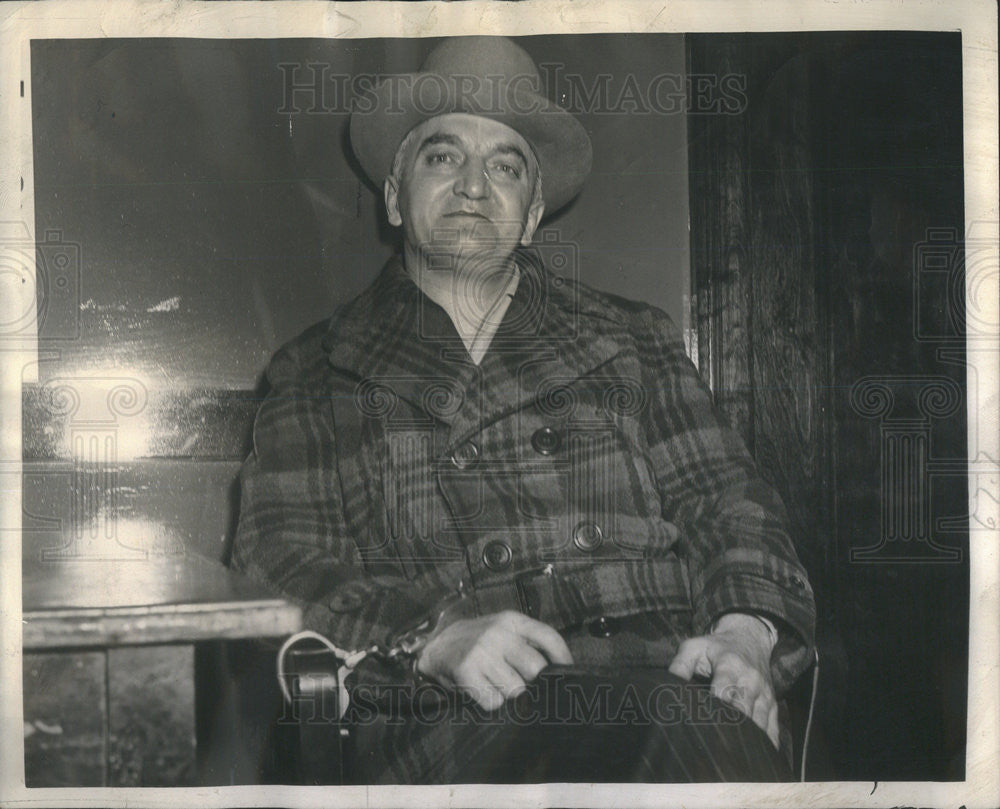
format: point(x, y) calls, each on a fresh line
point(384, 117)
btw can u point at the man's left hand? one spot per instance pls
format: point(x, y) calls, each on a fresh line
point(737, 656)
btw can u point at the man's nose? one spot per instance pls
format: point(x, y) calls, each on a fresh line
point(474, 181)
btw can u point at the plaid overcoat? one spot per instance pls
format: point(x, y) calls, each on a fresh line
point(580, 474)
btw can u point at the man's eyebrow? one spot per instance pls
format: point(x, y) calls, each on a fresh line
point(512, 148)
point(437, 139)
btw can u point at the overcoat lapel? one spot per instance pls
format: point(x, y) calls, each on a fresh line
point(394, 337)
point(394, 342)
point(547, 337)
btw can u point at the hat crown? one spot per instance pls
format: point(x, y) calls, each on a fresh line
point(480, 56)
point(505, 86)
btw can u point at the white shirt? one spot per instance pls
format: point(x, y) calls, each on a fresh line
point(476, 326)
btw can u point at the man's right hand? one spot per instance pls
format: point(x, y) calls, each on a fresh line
point(492, 658)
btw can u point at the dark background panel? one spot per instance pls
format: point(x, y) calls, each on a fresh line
point(890, 167)
point(217, 210)
point(835, 347)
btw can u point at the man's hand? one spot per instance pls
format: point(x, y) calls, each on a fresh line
point(737, 656)
point(492, 658)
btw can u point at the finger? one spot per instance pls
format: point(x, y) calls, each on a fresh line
point(544, 638)
point(762, 711)
point(690, 659)
point(504, 679)
point(476, 685)
point(748, 685)
point(759, 696)
point(441, 677)
point(728, 688)
point(773, 732)
point(526, 660)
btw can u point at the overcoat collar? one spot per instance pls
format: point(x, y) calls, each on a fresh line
point(393, 336)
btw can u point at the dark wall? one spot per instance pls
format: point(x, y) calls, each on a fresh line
point(217, 215)
point(827, 232)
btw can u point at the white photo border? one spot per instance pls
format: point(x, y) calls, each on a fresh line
point(976, 19)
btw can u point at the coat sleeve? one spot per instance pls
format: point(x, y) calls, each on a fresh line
point(733, 525)
point(292, 535)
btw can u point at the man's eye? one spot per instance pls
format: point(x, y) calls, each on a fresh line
point(509, 169)
point(438, 158)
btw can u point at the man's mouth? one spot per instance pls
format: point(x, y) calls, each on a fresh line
point(472, 214)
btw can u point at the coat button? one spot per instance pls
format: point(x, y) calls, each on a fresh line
point(545, 441)
point(604, 627)
point(465, 456)
point(588, 536)
point(497, 555)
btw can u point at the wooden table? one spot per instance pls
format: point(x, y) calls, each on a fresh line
point(109, 663)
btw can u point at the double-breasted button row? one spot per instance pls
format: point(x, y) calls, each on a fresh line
point(497, 554)
point(545, 441)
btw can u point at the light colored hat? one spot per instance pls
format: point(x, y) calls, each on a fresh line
point(488, 76)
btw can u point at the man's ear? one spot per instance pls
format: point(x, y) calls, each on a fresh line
point(531, 221)
point(390, 190)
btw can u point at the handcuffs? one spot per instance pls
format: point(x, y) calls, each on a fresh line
point(401, 648)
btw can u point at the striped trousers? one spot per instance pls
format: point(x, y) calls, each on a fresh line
point(641, 725)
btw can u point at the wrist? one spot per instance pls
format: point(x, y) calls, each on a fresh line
point(748, 623)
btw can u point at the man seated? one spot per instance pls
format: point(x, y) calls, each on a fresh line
point(530, 467)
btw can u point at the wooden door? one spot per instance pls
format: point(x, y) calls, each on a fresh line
point(827, 224)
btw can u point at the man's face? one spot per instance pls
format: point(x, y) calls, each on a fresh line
point(465, 188)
